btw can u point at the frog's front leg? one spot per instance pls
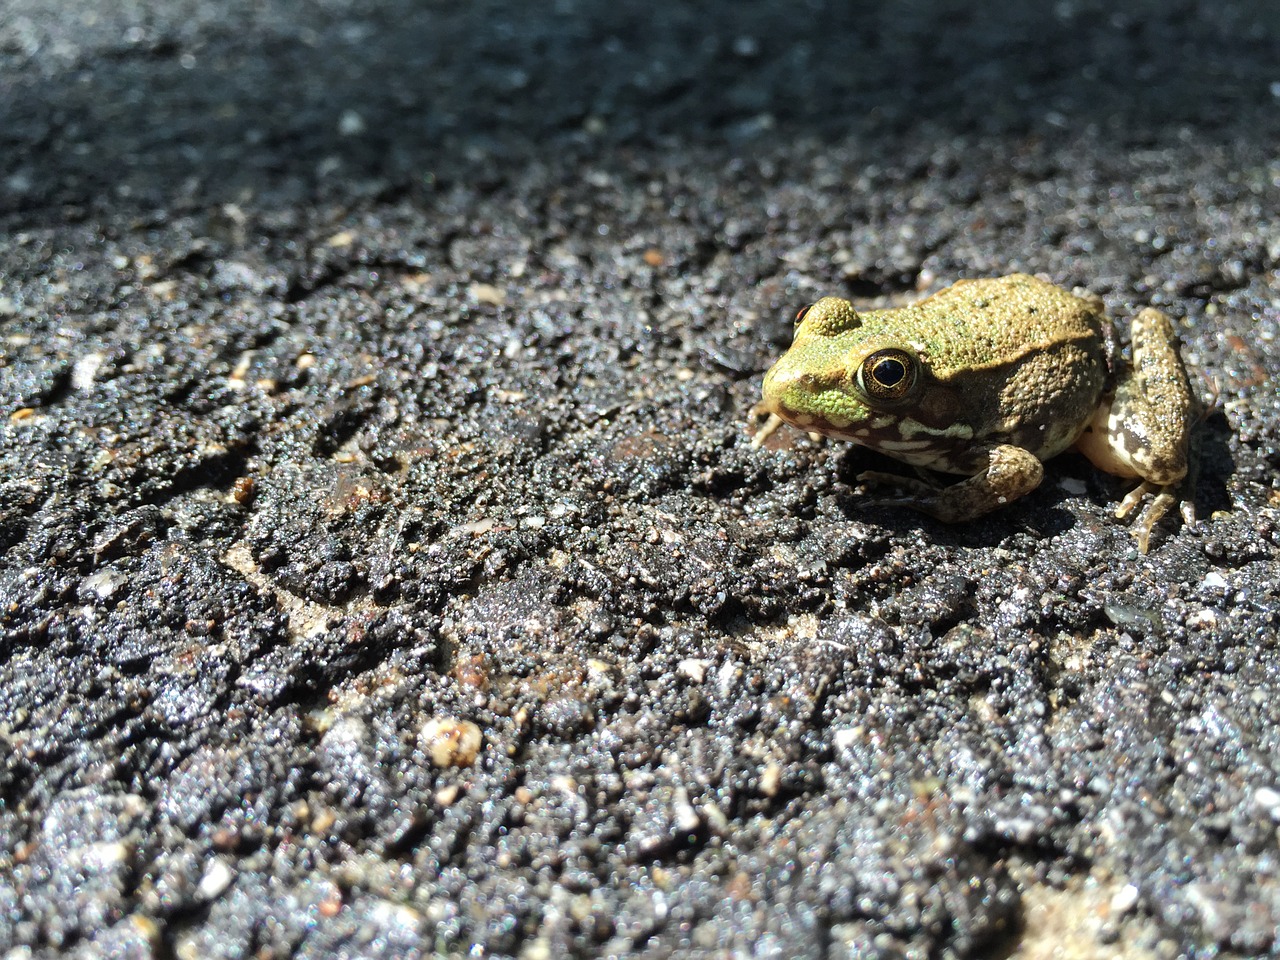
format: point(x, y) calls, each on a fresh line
point(1011, 472)
point(1145, 429)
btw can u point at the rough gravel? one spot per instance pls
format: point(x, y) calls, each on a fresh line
point(385, 567)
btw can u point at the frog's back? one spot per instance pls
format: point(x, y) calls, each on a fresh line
point(975, 324)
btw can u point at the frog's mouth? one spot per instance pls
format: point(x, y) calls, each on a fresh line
point(808, 418)
point(801, 398)
point(892, 434)
point(884, 431)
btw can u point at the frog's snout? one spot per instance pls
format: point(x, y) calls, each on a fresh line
point(789, 389)
point(792, 373)
point(783, 379)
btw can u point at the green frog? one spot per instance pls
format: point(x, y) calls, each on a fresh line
point(986, 379)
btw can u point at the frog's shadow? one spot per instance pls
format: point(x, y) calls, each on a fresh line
point(1044, 510)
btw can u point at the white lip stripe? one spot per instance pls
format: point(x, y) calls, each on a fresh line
point(900, 445)
point(891, 435)
point(957, 431)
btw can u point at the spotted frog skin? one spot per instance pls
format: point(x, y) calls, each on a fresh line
point(986, 379)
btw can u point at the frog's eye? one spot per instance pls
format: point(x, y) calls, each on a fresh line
point(888, 375)
point(801, 315)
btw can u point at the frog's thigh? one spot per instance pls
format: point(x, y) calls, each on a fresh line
point(1144, 430)
point(1012, 472)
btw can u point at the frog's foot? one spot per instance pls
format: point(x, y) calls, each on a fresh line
point(770, 426)
point(1165, 497)
point(767, 429)
point(1011, 472)
point(1151, 514)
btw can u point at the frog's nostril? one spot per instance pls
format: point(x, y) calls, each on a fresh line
point(792, 379)
point(798, 380)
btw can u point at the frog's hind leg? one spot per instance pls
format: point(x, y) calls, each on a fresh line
point(1145, 430)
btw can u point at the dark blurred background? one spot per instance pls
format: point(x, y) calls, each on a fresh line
point(124, 104)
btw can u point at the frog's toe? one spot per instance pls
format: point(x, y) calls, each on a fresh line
point(768, 428)
point(1164, 499)
point(1188, 511)
point(899, 484)
point(1133, 498)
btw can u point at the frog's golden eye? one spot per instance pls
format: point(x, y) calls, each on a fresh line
point(803, 310)
point(888, 375)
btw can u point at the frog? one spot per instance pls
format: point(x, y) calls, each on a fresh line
point(987, 379)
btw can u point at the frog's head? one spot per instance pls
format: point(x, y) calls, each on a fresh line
point(844, 378)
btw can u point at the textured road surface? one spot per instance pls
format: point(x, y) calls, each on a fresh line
point(385, 569)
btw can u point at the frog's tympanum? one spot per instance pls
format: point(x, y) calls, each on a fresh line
point(986, 379)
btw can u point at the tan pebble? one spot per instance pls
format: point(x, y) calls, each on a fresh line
point(450, 742)
point(242, 490)
point(448, 796)
point(331, 906)
point(487, 293)
point(770, 779)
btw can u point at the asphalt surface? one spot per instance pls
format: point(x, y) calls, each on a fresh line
point(385, 567)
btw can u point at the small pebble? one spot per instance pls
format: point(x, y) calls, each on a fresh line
point(487, 293)
point(450, 742)
point(1124, 900)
